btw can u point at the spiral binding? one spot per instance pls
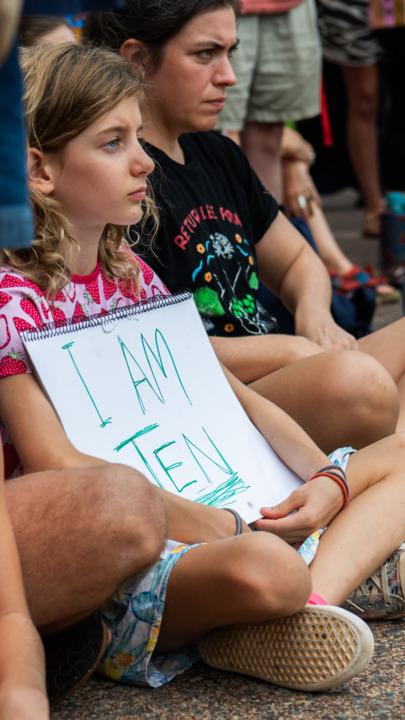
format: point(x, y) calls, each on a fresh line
point(65, 326)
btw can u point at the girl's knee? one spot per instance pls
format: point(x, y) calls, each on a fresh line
point(269, 574)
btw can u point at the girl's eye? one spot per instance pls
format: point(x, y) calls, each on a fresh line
point(113, 144)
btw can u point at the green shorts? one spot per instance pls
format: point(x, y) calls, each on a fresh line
point(277, 65)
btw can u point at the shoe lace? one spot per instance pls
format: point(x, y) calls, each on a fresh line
point(375, 586)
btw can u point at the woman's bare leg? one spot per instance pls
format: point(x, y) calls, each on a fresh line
point(246, 579)
point(372, 526)
point(388, 347)
point(339, 398)
point(329, 250)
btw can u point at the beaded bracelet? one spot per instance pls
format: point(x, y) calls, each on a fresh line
point(238, 521)
point(338, 479)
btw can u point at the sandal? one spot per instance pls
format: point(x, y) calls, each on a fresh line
point(354, 279)
point(386, 293)
point(73, 654)
point(372, 224)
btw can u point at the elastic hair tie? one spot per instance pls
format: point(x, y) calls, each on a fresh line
point(333, 468)
point(238, 521)
point(338, 480)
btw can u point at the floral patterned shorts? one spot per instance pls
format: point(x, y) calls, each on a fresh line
point(134, 616)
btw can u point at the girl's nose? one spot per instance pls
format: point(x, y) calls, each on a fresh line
point(142, 163)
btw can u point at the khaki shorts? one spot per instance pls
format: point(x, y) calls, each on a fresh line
point(277, 65)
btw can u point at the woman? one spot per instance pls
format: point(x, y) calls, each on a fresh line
point(220, 231)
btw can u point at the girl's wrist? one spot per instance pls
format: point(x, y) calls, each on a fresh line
point(338, 475)
point(239, 525)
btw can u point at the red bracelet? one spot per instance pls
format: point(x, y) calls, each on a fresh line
point(337, 479)
point(337, 471)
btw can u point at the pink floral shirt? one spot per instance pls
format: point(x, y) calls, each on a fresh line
point(23, 306)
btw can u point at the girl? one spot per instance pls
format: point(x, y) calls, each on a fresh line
point(221, 232)
point(88, 176)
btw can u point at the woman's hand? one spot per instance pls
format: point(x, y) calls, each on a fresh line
point(299, 191)
point(321, 329)
point(311, 507)
point(294, 147)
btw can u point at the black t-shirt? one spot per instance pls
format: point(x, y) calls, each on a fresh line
point(213, 209)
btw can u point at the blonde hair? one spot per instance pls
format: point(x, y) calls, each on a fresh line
point(68, 87)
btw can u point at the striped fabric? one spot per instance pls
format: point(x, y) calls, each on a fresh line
point(345, 31)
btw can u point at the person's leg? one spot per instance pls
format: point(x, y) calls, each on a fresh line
point(339, 398)
point(80, 533)
point(243, 600)
point(370, 528)
point(268, 578)
point(328, 249)
point(362, 95)
point(387, 346)
point(261, 141)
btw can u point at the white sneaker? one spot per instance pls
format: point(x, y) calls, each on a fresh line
point(317, 649)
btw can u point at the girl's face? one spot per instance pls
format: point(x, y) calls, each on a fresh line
point(188, 89)
point(100, 176)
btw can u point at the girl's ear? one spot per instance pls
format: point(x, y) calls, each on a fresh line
point(133, 51)
point(39, 172)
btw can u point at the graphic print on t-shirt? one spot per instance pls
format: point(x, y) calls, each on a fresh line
point(225, 275)
point(213, 210)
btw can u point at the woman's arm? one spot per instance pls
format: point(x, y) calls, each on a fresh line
point(22, 671)
point(292, 270)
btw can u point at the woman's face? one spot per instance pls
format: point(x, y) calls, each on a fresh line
point(188, 88)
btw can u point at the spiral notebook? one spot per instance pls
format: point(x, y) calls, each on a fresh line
point(142, 386)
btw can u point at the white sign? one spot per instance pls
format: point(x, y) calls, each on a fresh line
point(142, 386)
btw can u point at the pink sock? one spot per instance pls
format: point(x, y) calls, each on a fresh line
point(315, 599)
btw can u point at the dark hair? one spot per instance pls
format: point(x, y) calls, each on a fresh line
point(32, 27)
point(152, 22)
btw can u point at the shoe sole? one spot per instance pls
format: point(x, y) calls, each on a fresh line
point(317, 649)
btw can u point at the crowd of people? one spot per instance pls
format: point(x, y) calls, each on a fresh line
point(144, 177)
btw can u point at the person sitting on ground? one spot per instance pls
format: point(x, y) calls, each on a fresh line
point(221, 232)
point(88, 176)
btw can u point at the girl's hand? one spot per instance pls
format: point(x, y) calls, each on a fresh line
point(313, 506)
